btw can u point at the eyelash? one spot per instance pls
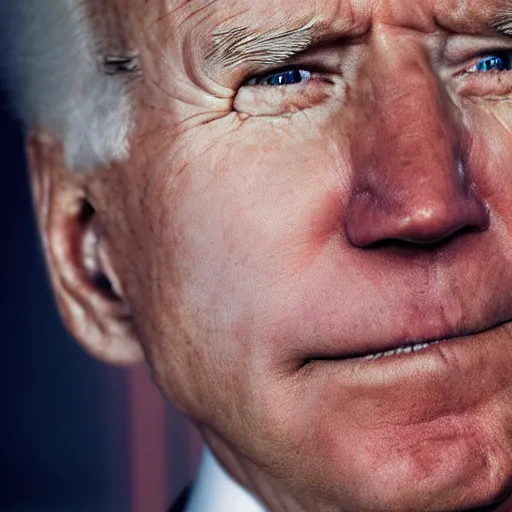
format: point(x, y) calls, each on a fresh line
point(309, 74)
point(258, 81)
point(504, 55)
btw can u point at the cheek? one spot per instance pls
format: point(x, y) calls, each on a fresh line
point(229, 241)
point(257, 215)
point(490, 156)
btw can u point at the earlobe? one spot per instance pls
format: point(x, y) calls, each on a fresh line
point(88, 290)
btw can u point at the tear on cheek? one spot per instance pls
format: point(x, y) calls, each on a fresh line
point(281, 101)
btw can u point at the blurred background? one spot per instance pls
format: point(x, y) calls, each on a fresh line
point(75, 435)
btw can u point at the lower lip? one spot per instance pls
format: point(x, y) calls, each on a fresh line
point(436, 396)
point(443, 379)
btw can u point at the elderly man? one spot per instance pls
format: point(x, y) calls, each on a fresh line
point(299, 214)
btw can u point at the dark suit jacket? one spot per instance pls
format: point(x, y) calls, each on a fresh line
point(182, 501)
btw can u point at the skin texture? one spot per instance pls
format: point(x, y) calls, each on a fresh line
point(259, 240)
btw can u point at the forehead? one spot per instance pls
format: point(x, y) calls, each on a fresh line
point(349, 15)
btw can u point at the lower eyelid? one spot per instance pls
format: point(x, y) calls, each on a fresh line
point(483, 75)
point(487, 84)
point(466, 71)
point(276, 101)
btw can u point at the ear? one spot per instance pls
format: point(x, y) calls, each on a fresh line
point(88, 290)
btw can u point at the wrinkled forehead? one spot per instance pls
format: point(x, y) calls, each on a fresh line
point(229, 38)
point(207, 29)
point(359, 15)
point(220, 35)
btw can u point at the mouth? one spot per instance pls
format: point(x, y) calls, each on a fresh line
point(401, 348)
point(406, 349)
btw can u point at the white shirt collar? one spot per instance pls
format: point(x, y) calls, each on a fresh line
point(216, 491)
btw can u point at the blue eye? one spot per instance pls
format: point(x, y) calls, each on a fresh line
point(496, 62)
point(287, 77)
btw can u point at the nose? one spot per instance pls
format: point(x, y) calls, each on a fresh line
point(427, 215)
point(411, 177)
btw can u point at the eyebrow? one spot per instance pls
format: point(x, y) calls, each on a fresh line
point(244, 45)
point(235, 46)
point(502, 23)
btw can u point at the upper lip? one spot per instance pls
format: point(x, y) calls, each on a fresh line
point(376, 348)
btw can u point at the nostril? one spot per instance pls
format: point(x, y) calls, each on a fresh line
point(426, 246)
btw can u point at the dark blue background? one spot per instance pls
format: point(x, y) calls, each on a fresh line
point(62, 415)
point(64, 418)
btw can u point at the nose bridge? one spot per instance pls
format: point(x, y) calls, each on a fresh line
point(415, 137)
point(410, 178)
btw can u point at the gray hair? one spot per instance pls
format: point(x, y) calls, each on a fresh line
point(60, 80)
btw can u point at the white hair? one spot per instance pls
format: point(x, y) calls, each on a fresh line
point(58, 81)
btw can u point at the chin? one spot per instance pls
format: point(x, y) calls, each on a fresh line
point(434, 474)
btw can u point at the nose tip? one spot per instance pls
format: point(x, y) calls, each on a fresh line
point(430, 225)
point(370, 222)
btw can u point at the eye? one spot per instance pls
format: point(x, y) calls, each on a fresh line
point(286, 91)
point(487, 76)
point(281, 78)
point(500, 61)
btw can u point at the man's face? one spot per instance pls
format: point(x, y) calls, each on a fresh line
point(314, 183)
